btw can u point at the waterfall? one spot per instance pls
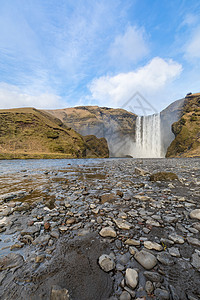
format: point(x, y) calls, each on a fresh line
point(148, 137)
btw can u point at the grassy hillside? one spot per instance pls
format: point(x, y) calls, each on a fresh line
point(187, 130)
point(31, 133)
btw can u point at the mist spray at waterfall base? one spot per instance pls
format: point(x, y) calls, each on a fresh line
point(148, 137)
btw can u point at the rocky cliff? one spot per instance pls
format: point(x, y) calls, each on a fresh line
point(31, 133)
point(169, 115)
point(116, 125)
point(187, 130)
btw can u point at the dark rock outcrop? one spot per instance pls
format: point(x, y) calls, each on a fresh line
point(168, 116)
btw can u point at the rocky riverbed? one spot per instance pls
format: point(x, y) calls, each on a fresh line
point(110, 229)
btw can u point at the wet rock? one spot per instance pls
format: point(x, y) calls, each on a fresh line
point(108, 232)
point(151, 222)
point(70, 221)
point(161, 294)
point(41, 240)
point(9, 196)
point(47, 225)
point(109, 197)
point(12, 260)
point(139, 171)
point(118, 244)
point(4, 222)
point(149, 287)
point(57, 293)
point(121, 224)
point(166, 242)
point(170, 219)
point(132, 242)
point(99, 220)
point(40, 258)
point(131, 278)
point(176, 238)
point(55, 234)
point(16, 246)
point(119, 193)
point(165, 258)
point(153, 276)
point(132, 250)
point(196, 260)
point(125, 296)
point(146, 259)
point(63, 228)
point(163, 176)
point(106, 263)
point(7, 211)
point(195, 214)
point(130, 291)
point(30, 230)
point(153, 245)
point(174, 252)
point(197, 226)
point(142, 197)
point(26, 239)
point(193, 241)
point(22, 207)
point(124, 258)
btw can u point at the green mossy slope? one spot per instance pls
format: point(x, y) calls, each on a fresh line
point(187, 130)
point(31, 133)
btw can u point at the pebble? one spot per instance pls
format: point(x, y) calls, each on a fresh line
point(174, 252)
point(132, 242)
point(195, 214)
point(176, 238)
point(153, 245)
point(108, 232)
point(106, 263)
point(121, 224)
point(165, 258)
point(153, 276)
point(125, 296)
point(149, 287)
point(193, 241)
point(161, 294)
point(131, 278)
point(146, 259)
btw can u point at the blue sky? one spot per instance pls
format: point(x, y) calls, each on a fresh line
point(62, 53)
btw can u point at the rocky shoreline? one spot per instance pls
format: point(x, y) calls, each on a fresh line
point(110, 230)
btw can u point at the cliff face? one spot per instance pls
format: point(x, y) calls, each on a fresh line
point(187, 130)
point(116, 125)
point(31, 133)
point(168, 116)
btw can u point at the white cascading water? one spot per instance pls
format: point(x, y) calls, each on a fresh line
point(148, 137)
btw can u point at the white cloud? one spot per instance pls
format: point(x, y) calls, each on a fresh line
point(190, 20)
point(192, 47)
point(130, 47)
point(114, 91)
point(12, 96)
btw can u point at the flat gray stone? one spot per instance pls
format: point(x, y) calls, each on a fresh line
point(106, 263)
point(195, 214)
point(108, 232)
point(146, 259)
point(165, 258)
point(131, 278)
